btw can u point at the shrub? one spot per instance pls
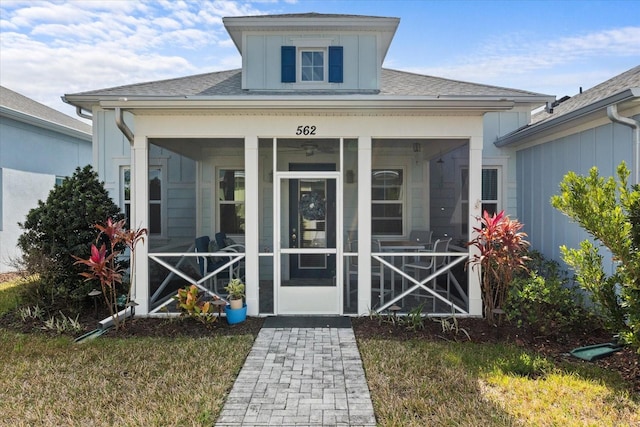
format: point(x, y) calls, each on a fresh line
point(542, 299)
point(608, 210)
point(502, 252)
point(191, 303)
point(104, 266)
point(58, 229)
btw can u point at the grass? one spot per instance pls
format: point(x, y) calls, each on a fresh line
point(183, 382)
point(10, 294)
point(452, 384)
point(111, 381)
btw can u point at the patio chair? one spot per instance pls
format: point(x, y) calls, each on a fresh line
point(429, 266)
point(422, 237)
point(376, 271)
point(207, 264)
point(236, 270)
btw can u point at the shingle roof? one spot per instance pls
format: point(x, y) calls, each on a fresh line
point(312, 15)
point(229, 83)
point(626, 80)
point(20, 103)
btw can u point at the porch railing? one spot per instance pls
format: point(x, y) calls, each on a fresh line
point(418, 286)
point(234, 259)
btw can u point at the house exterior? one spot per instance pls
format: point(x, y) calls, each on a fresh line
point(598, 127)
point(39, 146)
point(320, 163)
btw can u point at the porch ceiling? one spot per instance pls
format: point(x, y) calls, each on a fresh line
point(194, 148)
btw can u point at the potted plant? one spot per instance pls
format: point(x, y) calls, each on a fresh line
point(236, 310)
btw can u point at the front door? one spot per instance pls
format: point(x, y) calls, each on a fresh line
point(308, 282)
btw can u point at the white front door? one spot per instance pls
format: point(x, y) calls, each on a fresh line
point(307, 259)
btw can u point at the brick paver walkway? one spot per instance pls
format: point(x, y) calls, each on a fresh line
point(301, 377)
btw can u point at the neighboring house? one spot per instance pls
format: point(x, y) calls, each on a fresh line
point(39, 146)
point(581, 132)
point(319, 161)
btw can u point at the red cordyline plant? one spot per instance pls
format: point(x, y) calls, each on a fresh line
point(103, 263)
point(502, 252)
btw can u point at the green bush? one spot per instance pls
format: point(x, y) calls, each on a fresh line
point(56, 230)
point(608, 210)
point(542, 299)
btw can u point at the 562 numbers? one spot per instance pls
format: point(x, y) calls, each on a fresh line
point(306, 130)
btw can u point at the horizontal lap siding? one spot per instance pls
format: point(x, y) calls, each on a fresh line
point(181, 212)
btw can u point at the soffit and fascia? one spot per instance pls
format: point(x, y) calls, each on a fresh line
point(628, 101)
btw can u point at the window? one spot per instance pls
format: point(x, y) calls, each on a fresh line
point(313, 65)
point(59, 180)
point(490, 191)
point(387, 200)
point(231, 200)
point(155, 198)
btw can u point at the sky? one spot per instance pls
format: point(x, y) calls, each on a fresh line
point(52, 48)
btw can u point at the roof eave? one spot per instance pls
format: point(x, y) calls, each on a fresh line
point(44, 124)
point(551, 125)
point(311, 103)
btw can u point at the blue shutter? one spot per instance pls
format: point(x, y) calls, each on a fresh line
point(335, 64)
point(288, 63)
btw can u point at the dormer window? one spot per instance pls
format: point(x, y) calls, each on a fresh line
point(312, 66)
point(309, 65)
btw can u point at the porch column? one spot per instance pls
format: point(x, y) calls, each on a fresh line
point(251, 223)
point(140, 218)
point(364, 225)
point(475, 211)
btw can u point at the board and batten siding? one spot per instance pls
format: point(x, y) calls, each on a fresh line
point(261, 60)
point(541, 168)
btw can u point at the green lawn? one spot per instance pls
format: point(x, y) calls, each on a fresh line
point(183, 382)
point(420, 383)
point(110, 381)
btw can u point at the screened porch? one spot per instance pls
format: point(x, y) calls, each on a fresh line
point(313, 257)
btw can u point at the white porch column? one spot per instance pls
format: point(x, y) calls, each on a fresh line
point(251, 223)
point(140, 218)
point(475, 211)
point(364, 225)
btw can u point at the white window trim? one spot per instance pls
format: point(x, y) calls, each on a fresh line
point(160, 163)
point(499, 163)
point(216, 198)
point(403, 200)
point(325, 66)
point(310, 44)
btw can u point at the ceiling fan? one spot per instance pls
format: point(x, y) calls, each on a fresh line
point(311, 148)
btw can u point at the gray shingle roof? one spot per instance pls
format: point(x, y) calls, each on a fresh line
point(229, 83)
point(20, 103)
point(626, 80)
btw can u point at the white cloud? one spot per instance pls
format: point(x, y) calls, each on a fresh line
point(54, 47)
point(562, 63)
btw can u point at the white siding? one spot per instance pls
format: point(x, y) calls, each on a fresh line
point(20, 192)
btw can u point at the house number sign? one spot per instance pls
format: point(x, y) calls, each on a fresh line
point(306, 130)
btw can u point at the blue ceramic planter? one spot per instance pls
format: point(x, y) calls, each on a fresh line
point(236, 316)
